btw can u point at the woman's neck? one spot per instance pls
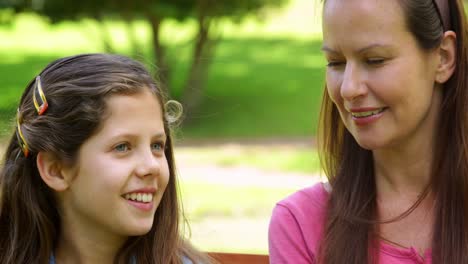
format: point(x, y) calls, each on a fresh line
point(403, 174)
point(406, 169)
point(401, 179)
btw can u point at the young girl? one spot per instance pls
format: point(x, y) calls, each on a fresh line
point(89, 175)
point(393, 138)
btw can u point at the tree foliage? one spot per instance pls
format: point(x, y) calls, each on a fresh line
point(155, 12)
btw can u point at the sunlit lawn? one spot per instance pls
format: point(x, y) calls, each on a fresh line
point(231, 218)
point(274, 158)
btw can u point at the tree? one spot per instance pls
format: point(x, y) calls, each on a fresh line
point(205, 12)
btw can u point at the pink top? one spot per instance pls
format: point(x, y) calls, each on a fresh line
point(296, 229)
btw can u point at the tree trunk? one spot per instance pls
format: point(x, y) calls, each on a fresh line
point(163, 71)
point(132, 38)
point(193, 92)
point(104, 33)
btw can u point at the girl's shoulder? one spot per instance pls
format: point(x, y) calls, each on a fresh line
point(186, 260)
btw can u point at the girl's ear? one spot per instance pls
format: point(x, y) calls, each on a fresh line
point(448, 57)
point(50, 169)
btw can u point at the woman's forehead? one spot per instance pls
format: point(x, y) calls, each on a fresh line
point(360, 22)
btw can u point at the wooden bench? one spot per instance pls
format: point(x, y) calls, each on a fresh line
point(239, 258)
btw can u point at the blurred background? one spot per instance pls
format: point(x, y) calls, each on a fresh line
point(248, 72)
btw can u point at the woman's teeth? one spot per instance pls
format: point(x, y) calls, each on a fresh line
point(139, 197)
point(367, 114)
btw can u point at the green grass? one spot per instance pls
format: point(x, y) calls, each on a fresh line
point(264, 80)
point(203, 200)
point(221, 217)
point(270, 158)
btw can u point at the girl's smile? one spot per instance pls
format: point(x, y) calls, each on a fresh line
point(141, 198)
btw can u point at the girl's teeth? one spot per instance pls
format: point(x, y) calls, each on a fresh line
point(139, 197)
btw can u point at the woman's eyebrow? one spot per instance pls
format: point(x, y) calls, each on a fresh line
point(361, 50)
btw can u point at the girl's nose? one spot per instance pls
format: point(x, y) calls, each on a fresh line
point(148, 164)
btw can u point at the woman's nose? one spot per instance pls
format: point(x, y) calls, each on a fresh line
point(352, 85)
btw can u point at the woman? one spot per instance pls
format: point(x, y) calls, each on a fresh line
point(393, 140)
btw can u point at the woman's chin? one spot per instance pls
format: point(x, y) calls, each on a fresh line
point(369, 144)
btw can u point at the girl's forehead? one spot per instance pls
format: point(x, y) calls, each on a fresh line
point(139, 112)
point(122, 106)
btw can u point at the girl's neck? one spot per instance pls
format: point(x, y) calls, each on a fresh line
point(82, 249)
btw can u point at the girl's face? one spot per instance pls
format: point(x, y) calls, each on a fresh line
point(121, 173)
point(381, 82)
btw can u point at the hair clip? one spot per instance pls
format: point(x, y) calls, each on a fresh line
point(21, 141)
point(173, 111)
point(41, 106)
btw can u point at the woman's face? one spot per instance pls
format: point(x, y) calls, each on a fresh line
point(378, 77)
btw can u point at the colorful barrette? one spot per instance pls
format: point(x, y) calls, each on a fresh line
point(22, 142)
point(41, 106)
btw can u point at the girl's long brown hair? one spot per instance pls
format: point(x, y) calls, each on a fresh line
point(76, 89)
point(352, 206)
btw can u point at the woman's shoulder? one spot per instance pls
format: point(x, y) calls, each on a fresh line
point(312, 199)
point(306, 207)
point(296, 225)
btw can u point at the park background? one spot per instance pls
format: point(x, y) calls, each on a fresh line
point(249, 73)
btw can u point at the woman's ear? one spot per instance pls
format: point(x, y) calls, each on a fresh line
point(448, 57)
point(50, 170)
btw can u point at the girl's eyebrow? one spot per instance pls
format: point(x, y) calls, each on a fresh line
point(161, 135)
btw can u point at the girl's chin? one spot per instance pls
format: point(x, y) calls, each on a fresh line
point(139, 230)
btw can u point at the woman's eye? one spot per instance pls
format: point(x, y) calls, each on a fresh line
point(375, 61)
point(335, 63)
point(122, 147)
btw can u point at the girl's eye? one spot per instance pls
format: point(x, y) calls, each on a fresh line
point(159, 146)
point(122, 147)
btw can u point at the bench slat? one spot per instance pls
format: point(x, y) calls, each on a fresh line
point(238, 258)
